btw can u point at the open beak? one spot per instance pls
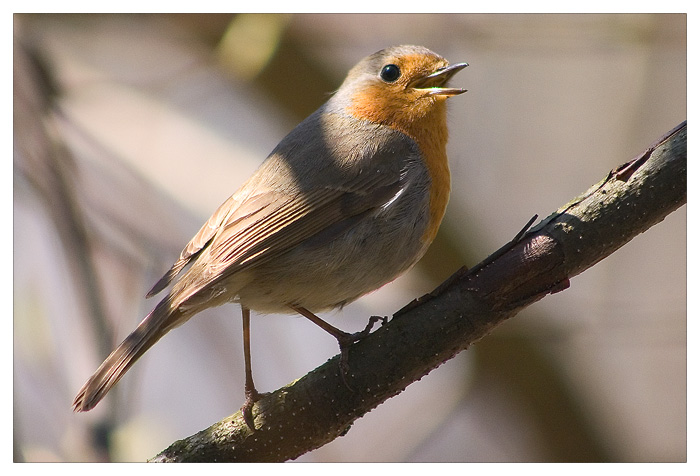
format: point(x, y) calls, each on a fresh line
point(433, 83)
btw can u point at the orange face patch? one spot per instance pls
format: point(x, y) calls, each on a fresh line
point(397, 104)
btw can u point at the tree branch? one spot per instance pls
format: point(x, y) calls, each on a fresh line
point(319, 407)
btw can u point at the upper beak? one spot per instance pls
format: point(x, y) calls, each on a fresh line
point(433, 83)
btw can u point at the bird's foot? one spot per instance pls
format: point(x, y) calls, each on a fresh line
point(345, 340)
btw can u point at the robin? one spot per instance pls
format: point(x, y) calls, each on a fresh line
point(345, 203)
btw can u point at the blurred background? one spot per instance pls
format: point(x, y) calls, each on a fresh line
point(129, 131)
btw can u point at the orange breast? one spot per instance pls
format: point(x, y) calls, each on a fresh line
point(425, 121)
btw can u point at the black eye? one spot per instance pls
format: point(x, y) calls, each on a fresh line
point(390, 73)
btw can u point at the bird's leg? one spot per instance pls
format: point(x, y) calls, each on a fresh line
point(345, 340)
point(251, 394)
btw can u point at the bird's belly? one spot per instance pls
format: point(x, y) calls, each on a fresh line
point(323, 274)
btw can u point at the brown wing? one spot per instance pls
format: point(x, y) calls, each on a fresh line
point(277, 223)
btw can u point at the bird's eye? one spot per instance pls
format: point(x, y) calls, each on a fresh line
point(390, 73)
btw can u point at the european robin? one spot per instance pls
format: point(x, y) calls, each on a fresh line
point(345, 203)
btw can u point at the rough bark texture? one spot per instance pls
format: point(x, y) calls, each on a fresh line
point(319, 407)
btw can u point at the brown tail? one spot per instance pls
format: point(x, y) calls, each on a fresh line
point(149, 331)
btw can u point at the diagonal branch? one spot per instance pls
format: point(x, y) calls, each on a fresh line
point(318, 407)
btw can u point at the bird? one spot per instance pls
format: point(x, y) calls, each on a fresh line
point(348, 201)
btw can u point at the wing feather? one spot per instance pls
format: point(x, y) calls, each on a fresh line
point(281, 224)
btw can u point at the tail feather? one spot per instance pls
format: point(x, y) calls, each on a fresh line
point(154, 326)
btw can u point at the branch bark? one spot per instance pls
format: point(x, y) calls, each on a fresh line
point(319, 407)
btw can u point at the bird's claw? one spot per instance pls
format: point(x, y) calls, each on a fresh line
point(251, 396)
point(345, 340)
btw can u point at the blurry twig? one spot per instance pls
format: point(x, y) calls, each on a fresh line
point(47, 165)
